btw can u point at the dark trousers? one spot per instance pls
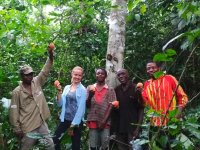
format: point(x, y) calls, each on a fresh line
point(62, 128)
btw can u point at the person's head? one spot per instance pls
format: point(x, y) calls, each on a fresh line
point(26, 73)
point(152, 67)
point(101, 74)
point(123, 76)
point(77, 74)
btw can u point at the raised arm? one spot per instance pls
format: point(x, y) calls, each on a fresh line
point(46, 69)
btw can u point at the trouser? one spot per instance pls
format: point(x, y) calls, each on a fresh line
point(61, 129)
point(99, 138)
point(124, 141)
point(28, 142)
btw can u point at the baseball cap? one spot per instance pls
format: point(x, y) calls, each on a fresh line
point(25, 69)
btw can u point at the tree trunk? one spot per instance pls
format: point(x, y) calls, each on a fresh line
point(116, 40)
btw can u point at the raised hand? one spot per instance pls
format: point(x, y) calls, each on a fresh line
point(51, 48)
point(57, 85)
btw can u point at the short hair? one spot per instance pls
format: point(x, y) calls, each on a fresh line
point(103, 69)
point(158, 63)
point(78, 68)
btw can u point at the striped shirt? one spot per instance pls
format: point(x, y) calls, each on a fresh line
point(163, 94)
point(100, 108)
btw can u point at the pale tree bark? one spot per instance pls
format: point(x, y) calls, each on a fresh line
point(116, 40)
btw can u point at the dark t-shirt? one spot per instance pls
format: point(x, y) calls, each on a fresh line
point(129, 105)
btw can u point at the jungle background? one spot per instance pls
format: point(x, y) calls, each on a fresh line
point(167, 30)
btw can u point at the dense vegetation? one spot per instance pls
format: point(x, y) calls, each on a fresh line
point(79, 30)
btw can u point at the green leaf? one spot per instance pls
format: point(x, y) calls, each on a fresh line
point(172, 126)
point(170, 52)
point(194, 125)
point(162, 57)
point(194, 132)
point(185, 141)
point(141, 141)
point(115, 6)
point(132, 4)
point(153, 113)
point(173, 113)
point(163, 140)
point(129, 17)
point(158, 74)
point(143, 9)
point(155, 147)
point(192, 35)
point(45, 2)
point(182, 24)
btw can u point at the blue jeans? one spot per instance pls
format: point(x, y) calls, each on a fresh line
point(62, 128)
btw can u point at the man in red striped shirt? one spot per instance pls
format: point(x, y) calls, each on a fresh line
point(163, 94)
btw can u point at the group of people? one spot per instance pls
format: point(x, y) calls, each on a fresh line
point(118, 111)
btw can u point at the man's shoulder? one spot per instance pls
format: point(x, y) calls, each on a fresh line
point(170, 77)
point(16, 90)
point(147, 81)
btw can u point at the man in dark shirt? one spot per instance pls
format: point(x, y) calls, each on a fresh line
point(130, 111)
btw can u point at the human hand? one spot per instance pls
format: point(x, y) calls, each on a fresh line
point(179, 116)
point(91, 94)
point(70, 130)
point(91, 88)
point(57, 85)
point(50, 48)
point(100, 125)
point(179, 113)
point(115, 104)
point(139, 86)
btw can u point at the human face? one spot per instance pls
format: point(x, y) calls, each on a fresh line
point(152, 68)
point(122, 76)
point(27, 78)
point(100, 75)
point(77, 76)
